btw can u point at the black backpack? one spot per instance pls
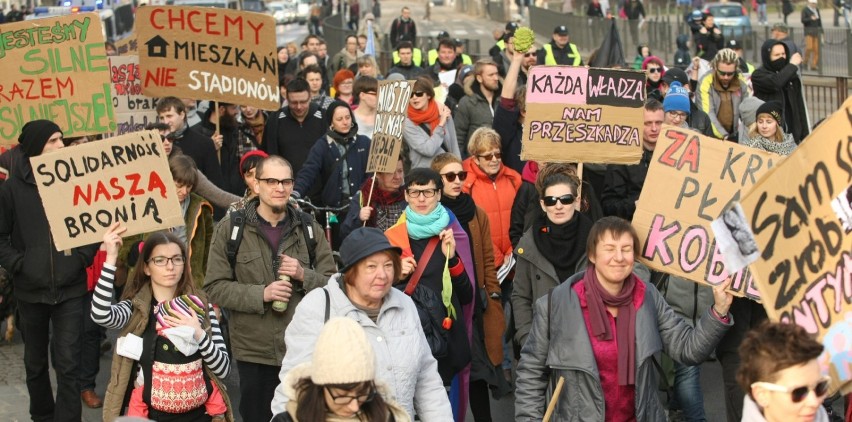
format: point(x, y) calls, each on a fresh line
point(238, 222)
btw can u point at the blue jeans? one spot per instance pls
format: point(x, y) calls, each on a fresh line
point(687, 392)
point(761, 13)
point(37, 321)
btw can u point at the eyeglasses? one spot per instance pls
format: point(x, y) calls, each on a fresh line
point(726, 73)
point(677, 114)
point(415, 193)
point(161, 261)
point(491, 156)
point(797, 394)
point(369, 92)
point(362, 398)
point(417, 94)
point(654, 70)
point(272, 182)
point(451, 177)
point(566, 199)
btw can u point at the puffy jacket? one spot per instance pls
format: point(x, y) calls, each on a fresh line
point(496, 198)
point(256, 330)
point(403, 359)
point(556, 348)
point(323, 169)
point(40, 273)
point(473, 112)
point(785, 87)
point(707, 99)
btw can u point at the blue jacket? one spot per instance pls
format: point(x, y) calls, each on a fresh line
point(322, 166)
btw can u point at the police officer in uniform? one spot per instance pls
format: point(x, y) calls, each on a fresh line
point(559, 50)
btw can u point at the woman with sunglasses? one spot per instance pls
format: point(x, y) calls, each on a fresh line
point(181, 356)
point(488, 319)
point(336, 386)
point(654, 72)
point(601, 329)
point(428, 130)
point(781, 374)
point(552, 249)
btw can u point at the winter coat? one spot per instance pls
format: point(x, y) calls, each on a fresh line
point(682, 59)
point(482, 248)
point(123, 369)
point(256, 330)
point(473, 112)
point(285, 136)
point(403, 359)
point(403, 30)
point(813, 27)
point(708, 99)
point(785, 87)
point(526, 208)
point(40, 273)
point(199, 232)
point(302, 371)
point(323, 169)
point(352, 220)
point(534, 276)
point(422, 146)
point(496, 198)
point(235, 143)
point(342, 60)
point(408, 72)
point(687, 298)
point(556, 348)
point(707, 45)
point(200, 148)
point(510, 130)
point(623, 185)
point(699, 120)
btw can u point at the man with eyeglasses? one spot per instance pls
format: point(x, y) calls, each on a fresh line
point(272, 264)
point(720, 93)
point(293, 130)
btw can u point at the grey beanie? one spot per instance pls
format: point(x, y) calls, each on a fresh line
point(748, 110)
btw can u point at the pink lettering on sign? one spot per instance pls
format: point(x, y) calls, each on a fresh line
point(557, 85)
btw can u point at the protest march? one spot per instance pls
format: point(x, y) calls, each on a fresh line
point(337, 210)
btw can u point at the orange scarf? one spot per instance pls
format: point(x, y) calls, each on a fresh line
point(430, 115)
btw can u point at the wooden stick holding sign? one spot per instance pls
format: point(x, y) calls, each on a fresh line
point(216, 133)
point(370, 196)
point(552, 405)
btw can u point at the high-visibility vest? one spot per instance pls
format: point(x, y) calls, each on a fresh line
point(466, 59)
point(432, 56)
point(416, 57)
point(550, 59)
point(501, 45)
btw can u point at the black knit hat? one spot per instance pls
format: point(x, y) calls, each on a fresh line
point(772, 108)
point(34, 136)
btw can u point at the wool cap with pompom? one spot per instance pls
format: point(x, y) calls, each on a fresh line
point(342, 354)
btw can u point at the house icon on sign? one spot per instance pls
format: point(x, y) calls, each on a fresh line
point(157, 46)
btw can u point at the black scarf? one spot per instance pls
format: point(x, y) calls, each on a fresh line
point(462, 207)
point(563, 245)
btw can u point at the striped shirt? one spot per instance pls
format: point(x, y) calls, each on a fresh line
point(116, 316)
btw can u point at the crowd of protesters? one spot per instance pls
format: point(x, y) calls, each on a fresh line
point(464, 274)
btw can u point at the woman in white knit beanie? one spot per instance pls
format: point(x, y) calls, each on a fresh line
point(339, 383)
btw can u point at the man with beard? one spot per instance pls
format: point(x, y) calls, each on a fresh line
point(232, 141)
point(778, 80)
point(476, 108)
point(720, 93)
point(292, 131)
point(276, 234)
point(172, 111)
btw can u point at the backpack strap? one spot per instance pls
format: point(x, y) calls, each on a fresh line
point(310, 237)
point(238, 222)
point(424, 260)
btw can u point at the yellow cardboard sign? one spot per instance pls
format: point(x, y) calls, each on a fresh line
point(392, 111)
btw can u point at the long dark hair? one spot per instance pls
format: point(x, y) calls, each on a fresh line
point(312, 407)
point(141, 280)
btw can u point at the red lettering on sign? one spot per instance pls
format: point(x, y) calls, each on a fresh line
point(162, 77)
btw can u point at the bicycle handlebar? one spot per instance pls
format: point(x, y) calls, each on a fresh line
point(307, 204)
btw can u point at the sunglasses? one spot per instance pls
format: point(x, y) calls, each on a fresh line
point(417, 94)
point(654, 70)
point(726, 73)
point(529, 54)
point(451, 177)
point(489, 157)
point(797, 394)
point(566, 199)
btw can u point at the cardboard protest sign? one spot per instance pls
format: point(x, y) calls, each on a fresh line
point(54, 68)
point(578, 114)
point(800, 215)
point(88, 187)
point(209, 53)
point(133, 111)
point(691, 179)
point(392, 110)
point(127, 45)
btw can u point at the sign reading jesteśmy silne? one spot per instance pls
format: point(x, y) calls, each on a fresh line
point(208, 54)
point(54, 68)
point(578, 114)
